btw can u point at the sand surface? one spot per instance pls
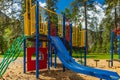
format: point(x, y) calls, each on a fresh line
point(15, 71)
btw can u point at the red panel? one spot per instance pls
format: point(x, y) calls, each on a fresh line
point(117, 31)
point(52, 30)
point(31, 64)
point(68, 33)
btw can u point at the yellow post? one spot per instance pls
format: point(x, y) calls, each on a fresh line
point(26, 5)
point(44, 44)
point(27, 19)
point(46, 28)
point(32, 19)
point(82, 38)
point(30, 3)
point(26, 32)
point(78, 37)
point(74, 37)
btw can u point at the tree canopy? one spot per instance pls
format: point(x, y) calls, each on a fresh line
point(11, 12)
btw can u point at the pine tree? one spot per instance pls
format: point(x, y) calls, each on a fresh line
point(52, 5)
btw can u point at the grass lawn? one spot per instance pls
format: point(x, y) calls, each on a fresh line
point(96, 56)
point(90, 56)
point(21, 55)
point(101, 56)
point(1, 55)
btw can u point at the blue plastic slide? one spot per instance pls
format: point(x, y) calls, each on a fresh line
point(70, 63)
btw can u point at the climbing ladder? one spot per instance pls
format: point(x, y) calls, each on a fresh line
point(11, 54)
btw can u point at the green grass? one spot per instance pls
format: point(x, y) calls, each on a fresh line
point(89, 56)
point(21, 55)
point(101, 56)
point(1, 56)
point(96, 56)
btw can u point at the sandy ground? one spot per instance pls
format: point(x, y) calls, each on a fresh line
point(15, 72)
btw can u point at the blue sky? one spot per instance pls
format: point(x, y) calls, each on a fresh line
point(62, 4)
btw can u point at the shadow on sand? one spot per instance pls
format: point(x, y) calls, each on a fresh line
point(58, 74)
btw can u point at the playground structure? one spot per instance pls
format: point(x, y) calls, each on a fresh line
point(78, 35)
point(115, 34)
point(72, 36)
point(57, 38)
point(45, 36)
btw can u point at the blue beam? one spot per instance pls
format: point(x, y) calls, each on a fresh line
point(85, 55)
point(112, 48)
point(86, 34)
point(48, 29)
point(37, 39)
point(24, 57)
point(24, 48)
point(50, 54)
point(64, 30)
point(70, 40)
point(55, 57)
point(118, 47)
point(48, 45)
point(49, 48)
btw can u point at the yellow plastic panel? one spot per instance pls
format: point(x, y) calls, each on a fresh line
point(30, 3)
point(45, 28)
point(26, 5)
point(26, 25)
point(82, 34)
point(44, 44)
point(83, 38)
point(74, 36)
point(78, 37)
point(33, 19)
point(60, 28)
point(41, 30)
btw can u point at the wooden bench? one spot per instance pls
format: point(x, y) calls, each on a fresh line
point(96, 61)
point(109, 61)
point(117, 60)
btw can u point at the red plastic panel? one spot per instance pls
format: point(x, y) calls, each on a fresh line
point(52, 30)
point(31, 64)
point(68, 33)
point(117, 31)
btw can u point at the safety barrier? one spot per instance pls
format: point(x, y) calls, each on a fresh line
point(78, 36)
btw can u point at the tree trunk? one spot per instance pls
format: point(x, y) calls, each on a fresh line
point(2, 51)
point(115, 24)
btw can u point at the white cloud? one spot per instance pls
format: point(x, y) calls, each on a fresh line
point(99, 16)
point(42, 4)
point(14, 9)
